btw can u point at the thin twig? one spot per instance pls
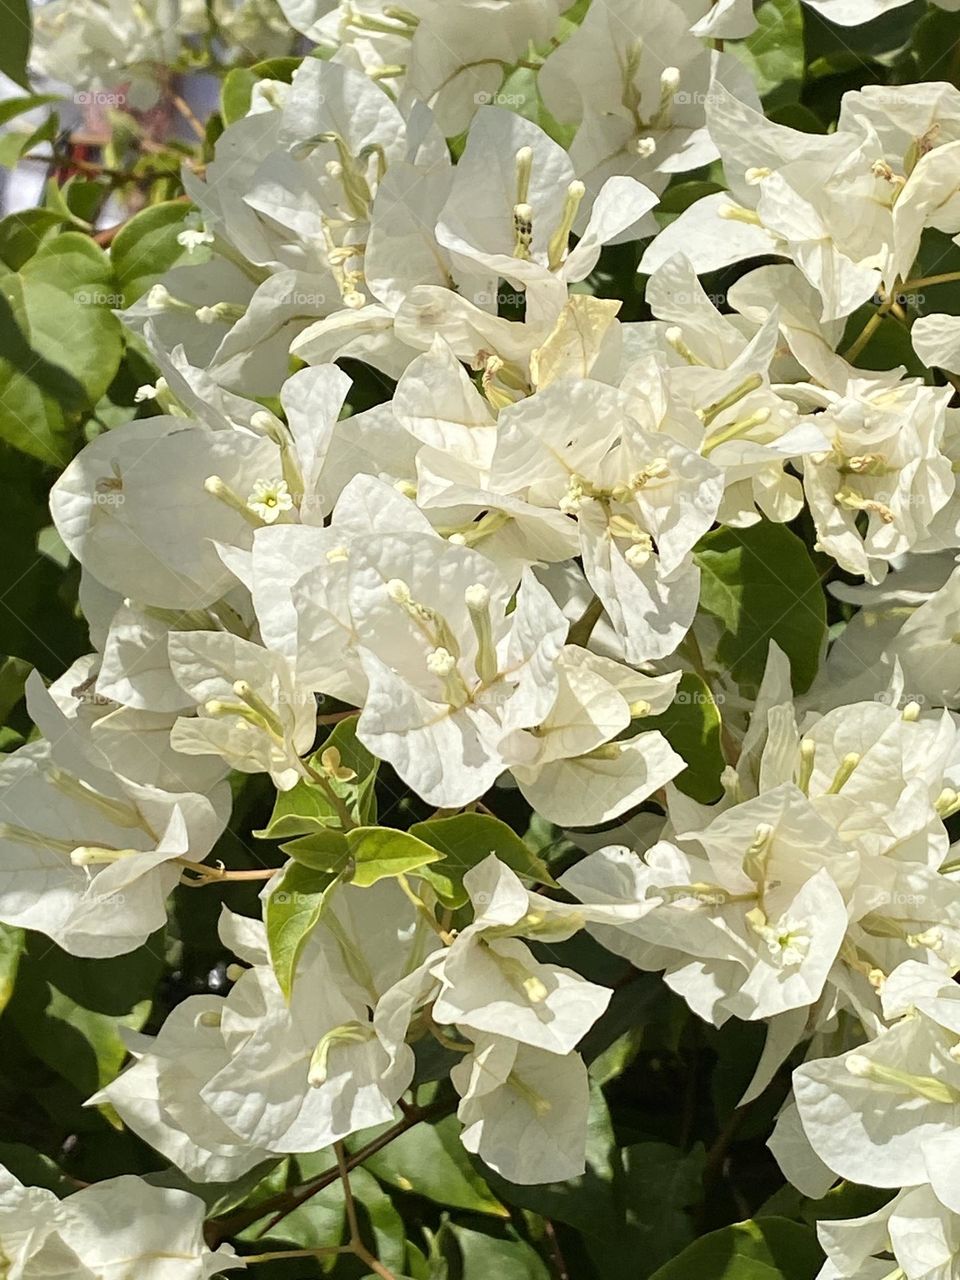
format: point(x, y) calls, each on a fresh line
point(285, 1202)
point(186, 111)
point(356, 1240)
point(216, 875)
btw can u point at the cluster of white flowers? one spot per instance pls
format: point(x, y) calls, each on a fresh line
point(493, 576)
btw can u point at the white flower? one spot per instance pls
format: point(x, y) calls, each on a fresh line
point(492, 984)
point(91, 863)
point(524, 1111)
point(755, 920)
point(250, 709)
point(884, 468)
point(449, 53)
point(158, 1096)
point(849, 209)
point(133, 509)
point(270, 499)
point(853, 13)
point(641, 501)
point(124, 1227)
point(886, 1113)
point(335, 1067)
point(514, 202)
point(635, 82)
point(446, 681)
point(576, 766)
point(922, 1235)
point(936, 340)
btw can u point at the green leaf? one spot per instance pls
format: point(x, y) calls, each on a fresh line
point(146, 247)
point(317, 1224)
point(761, 585)
point(465, 840)
point(80, 199)
point(16, 31)
point(429, 1160)
point(761, 1249)
point(691, 724)
point(306, 808)
point(238, 84)
point(12, 943)
point(680, 196)
point(520, 93)
point(235, 93)
point(13, 107)
point(13, 677)
point(45, 132)
point(72, 269)
point(69, 1010)
point(281, 68)
point(386, 1225)
point(775, 50)
point(484, 1256)
point(294, 908)
point(661, 1183)
point(38, 622)
point(933, 37)
point(364, 855)
point(60, 344)
point(22, 233)
point(848, 1200)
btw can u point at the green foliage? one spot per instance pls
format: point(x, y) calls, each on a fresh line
point(70, 1011)
point(760, 584)
point(12, 943)
point(294, 908)
point(364, 855)
point(762, 1249)
point(60, 344)
point(146, 246)
point(13, 107)
point(237, 87)
point(430, 1161)
point(16, 27)
point(308, 807)
point(775, 51)
point(691, 724)
point(465, 840)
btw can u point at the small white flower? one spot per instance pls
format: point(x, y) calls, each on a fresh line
point(269, 499)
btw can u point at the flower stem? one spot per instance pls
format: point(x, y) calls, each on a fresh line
point(356, 1240)
point(298, 1253)
point(340, 805)
point(219, 874)
point(866, 333)
point(922, 282)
